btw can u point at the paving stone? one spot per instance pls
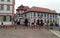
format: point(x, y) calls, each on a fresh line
point(24, 32)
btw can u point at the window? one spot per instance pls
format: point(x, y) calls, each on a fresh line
point(47, 21)
point(31, 14)
point(45, 15)
point(10, 18)
point(8, 7)
point(53, 15)
point(41, 14)
point(34, 20)
point(2, 0)
point(38, 14)
point(34, 14)
point(50, 15)
point(25, 15)
point(4, 18)
point(19, 14)
point(8, 0)
point(2, 7)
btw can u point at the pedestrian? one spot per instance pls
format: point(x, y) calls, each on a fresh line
point(29, 24)
point(2, 23)
point(40, 26)
point(45, 25)
point(59, 27)
point(51, 26)
point(15, 23)
point(32, 25)
point(48, 26)
point(38, 22)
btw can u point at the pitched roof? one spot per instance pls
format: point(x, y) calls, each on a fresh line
point(37, 9)
point(40, 9)
point(22, 7)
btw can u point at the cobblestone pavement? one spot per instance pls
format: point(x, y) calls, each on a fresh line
point(24, 32)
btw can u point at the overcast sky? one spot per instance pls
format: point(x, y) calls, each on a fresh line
point(51, 4)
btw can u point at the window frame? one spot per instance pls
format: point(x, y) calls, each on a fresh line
point(4, 18)
point(34, 14)
point(2, 7)
point(8, 7)
point(10, 18)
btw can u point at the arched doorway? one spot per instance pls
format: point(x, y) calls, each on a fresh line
point(41, 22)
point(26, 22)
point(38, 22)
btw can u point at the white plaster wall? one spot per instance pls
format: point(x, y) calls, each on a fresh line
point(5, 2)
point(28, 15)
point(36, 16)
point(57, 18)
point(21, 21)
point(31, 17)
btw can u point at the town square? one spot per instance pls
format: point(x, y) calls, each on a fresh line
point(29, 19)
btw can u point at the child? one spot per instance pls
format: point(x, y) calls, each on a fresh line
point(32, 25)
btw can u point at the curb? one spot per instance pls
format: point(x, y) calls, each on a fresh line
point(55, 33)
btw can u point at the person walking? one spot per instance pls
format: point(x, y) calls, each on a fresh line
point(51, 26)
point(45, 25)
point(48, 26)
point(2, 25)
point(33, 25)
point(15, 23)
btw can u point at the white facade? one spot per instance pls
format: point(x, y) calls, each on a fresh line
point(59, 20)
point(45, 16)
